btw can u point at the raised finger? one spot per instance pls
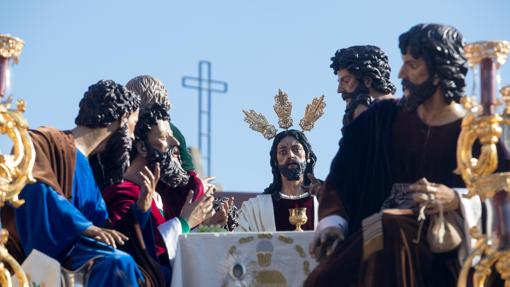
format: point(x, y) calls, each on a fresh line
point(104, 238)
point(209, 178)
point(157, 173)
point(148, 173)
point(207, 207)
point(117, 237)
point(143, 177)
point(121, 235)
point(110, 239)
point(189, 198)
point(332, 247)
point(417, 187)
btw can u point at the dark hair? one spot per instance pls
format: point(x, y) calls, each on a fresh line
point(442, 48)
point(276, 186)
point(148, 118)
point(109, 166)
point(104, 103)
point(365, 61)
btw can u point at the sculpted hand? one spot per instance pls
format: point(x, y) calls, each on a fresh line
point(325, 242)
point(220, 217)
point(108, 236)
point(208, 186)
point(196, 212)
point(315, 185)
point(149, 182)
point(434, 194)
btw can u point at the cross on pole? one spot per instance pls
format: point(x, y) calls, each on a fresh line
point(204, 84)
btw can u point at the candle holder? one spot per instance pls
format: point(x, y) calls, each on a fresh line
point(16, 167)
point(484, 125)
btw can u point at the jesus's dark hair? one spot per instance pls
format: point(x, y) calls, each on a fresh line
point(276, 185)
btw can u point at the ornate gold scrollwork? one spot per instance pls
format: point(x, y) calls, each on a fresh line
point(487, 130)
point(478, 173)
point(497, 50)
point(10, 47)
point(16, 166)
point(15, 172)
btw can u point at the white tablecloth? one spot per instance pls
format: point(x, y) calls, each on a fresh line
point(243, 259)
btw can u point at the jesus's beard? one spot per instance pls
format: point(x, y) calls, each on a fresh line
point(293, 173)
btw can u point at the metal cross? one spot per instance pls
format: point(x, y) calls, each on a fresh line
point(204, 84)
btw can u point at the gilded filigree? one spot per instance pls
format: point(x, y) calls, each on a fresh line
point(505, 96)
point(283, 109)
point(479, 173)
point(15, 168)
point(10, 47)
point(496, 50)
point(259, 123)
point(313, 112)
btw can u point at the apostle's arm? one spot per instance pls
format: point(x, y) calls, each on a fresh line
point(47, 221)
point(332, 227)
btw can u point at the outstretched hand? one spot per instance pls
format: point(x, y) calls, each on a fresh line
point(325, 242)
point(315, 185)
point(196, 212)
point(149, 182)
point(209, 187)
point(105, 235)
point(220, 217)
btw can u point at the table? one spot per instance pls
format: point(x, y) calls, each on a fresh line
point(243, 259)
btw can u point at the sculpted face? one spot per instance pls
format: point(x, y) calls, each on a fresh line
point(347, 83)
point(291, 158)
point(131, 123)
point(161, 137)
point(413, 70)
point(417, 83)
point(161, 147)
point(158, 143)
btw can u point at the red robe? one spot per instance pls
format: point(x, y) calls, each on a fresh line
point(120, 197)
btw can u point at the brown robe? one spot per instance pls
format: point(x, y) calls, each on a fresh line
point(54, 165)
point(416, 151)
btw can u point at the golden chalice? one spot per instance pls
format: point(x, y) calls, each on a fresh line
point(298, 217)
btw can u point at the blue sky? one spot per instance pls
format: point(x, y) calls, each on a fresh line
point(256, 46)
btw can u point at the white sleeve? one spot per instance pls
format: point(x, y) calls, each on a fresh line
point(471, 209)
point(333, 220)
point(170, 231)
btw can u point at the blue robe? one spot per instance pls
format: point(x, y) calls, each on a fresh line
point(53, 225)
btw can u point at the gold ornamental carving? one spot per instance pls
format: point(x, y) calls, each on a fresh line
point(485, 129)
point(16, 166)
point(497, 50)
point(10, 47)
point(283, 109)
